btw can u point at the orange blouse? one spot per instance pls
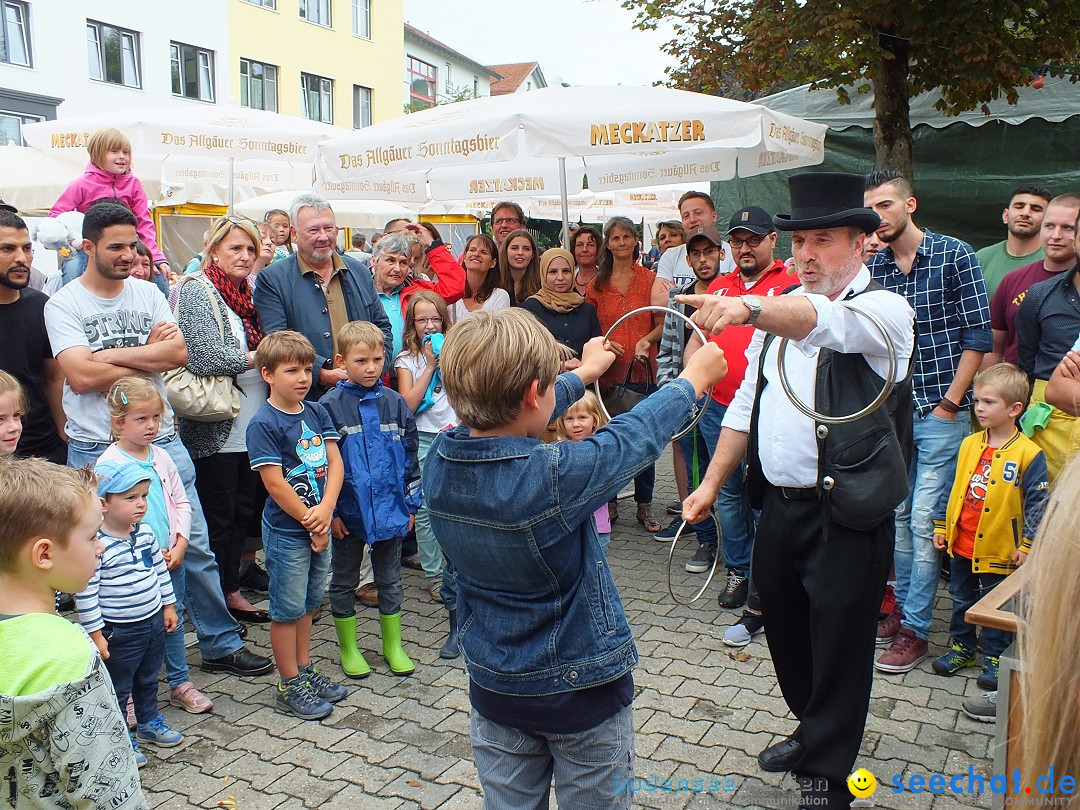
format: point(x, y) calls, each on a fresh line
point(611, 304)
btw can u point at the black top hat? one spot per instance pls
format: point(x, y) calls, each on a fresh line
point(827, 200)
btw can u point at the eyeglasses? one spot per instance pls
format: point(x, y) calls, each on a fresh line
point(432, 321)
point(753, 241)
point(709, 251)
point(233, 219)
point(506, 221)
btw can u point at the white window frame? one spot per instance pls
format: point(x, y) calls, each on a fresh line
point(317, 12)
point(204, 69)
point(361, 18)
point(269, 79)
point(21, 11)
point(23, 118)
point(129, 47)
point(325, 91)
point(361, 100)
point(270, 4)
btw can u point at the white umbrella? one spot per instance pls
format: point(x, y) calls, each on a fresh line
point(190, 138)
point(349, 213)
point(32, 180)
point(622, 137)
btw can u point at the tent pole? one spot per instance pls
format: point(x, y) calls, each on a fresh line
point(232, 162)
point(565, 206)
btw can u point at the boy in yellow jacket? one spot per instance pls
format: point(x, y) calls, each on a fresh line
point(989, 518)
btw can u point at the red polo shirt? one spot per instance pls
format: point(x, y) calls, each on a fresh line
point(735, 340)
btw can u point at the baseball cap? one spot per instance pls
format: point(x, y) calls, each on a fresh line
point(706, 231)
point(115, 478)
point(752, 218)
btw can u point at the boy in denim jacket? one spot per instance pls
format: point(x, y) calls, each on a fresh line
point(546, 642)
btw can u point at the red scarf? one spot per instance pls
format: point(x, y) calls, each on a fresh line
point(238, 299)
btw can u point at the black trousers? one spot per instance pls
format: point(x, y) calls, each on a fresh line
point(227, 488)
point(821, 600)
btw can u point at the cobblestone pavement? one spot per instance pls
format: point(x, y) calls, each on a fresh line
point(397, 743)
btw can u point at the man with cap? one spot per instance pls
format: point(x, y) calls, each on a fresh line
point(826, 491)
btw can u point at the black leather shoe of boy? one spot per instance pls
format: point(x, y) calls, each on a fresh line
point(781, 757)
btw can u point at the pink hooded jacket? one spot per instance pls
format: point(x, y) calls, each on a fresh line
point(96, 183)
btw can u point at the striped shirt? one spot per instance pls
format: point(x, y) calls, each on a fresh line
point(131, 582)
point(945, 288)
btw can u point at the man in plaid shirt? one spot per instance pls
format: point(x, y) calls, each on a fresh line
point(941, 279)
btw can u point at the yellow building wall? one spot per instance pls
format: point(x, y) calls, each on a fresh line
point(280, 37)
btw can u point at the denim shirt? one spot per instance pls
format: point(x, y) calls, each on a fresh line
point(538, 610)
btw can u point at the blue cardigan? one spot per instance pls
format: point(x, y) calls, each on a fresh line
point(286, 299)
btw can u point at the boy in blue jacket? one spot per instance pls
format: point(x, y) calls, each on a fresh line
point(381, 495)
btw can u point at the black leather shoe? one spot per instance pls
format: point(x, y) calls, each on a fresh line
point(241, 662)
point(781, 757)
point(253, 616)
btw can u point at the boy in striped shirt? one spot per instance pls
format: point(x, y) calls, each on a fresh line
point(128, 605)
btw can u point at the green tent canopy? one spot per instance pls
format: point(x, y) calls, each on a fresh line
point(966, 166)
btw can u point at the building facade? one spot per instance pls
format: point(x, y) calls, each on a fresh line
point(517, 77)
point(435, 73)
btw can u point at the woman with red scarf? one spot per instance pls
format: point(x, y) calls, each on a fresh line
point(217, 317)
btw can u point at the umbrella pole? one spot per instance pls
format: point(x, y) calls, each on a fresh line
point(232, 178)
point(565, 206)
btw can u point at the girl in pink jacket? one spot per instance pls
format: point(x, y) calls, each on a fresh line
point(108, 175)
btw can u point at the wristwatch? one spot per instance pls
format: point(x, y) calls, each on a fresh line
point(752, 303)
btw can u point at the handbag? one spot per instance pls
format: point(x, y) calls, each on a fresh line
point(624, 396)
point(202, 397)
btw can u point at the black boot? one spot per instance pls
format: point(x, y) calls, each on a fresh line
point(452, 648)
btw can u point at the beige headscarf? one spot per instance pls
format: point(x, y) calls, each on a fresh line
point(556, 301)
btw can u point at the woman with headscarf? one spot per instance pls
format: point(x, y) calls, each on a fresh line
point(559, 307)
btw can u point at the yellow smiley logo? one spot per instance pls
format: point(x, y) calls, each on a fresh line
point(862, 784)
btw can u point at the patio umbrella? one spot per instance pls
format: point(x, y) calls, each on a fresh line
point(620, 137)
point(350, 213)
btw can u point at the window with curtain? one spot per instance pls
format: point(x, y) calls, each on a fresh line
point(258, 85)
point(317, 97)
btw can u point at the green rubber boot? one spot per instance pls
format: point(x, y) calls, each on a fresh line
point(391, 644)
point(352, 661)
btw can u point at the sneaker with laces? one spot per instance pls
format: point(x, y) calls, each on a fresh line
point(735, 592)
point(190, 699)
point(904, 654)
point(667, 534)
point(325, 688)
point(703, 560)
point(140, 757)
point(988, 678)
point(156, 732)
point(888, 627)
point(295, 697)
point(956, 659)
point(982, 708)
point(740, 633)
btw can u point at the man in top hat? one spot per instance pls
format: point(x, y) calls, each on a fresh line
point(826, 491)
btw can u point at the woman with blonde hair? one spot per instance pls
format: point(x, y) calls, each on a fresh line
point(1048, 640)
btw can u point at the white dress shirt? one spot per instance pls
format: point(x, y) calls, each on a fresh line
point(787, 446)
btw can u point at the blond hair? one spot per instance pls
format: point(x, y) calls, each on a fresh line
point(130, 393)
point(1048, 637)
point(356, 332)
point(10, 387)
point(410, 340)
point(488, 361)
point(104, 141)
point(589, 403)
point(286, 346)
point(40, 499)
point(1007, 380)
point(220, 232)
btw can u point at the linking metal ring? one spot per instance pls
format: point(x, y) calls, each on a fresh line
point(886, 390)
point(712, 571)
point(697, 331)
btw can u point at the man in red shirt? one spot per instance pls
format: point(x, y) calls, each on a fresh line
point(752, 238)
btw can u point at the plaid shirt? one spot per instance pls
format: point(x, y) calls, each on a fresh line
point(945, 288)
point(673, 339)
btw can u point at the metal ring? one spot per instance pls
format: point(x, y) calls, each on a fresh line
point(697, 331)
point(712, 571)
point(886, 389)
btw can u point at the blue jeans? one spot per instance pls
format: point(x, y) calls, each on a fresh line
point(176, 665)
point(732, 508)
point(203, 600)
point(431, 556)
point(297, 574)
point(966, 588)
point(918, 564)
point(592, 768)
point(696, 453)
point(136, 650)
point(73, 266)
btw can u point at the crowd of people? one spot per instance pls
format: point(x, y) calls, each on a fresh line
point(342, 411)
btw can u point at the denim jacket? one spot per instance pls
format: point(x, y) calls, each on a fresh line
point(537, 606)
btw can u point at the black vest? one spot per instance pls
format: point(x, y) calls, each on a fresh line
point(862, 465)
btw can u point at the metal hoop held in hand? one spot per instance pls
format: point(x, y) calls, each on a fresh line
point(697, 331)
point(886, 389)
point(712, 571)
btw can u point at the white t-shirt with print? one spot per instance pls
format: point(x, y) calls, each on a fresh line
point(673, 267)
point(75, 317)
point(440, 415)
